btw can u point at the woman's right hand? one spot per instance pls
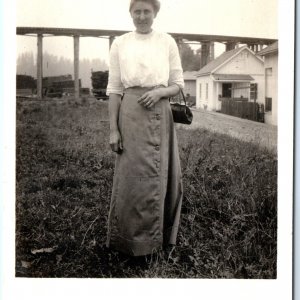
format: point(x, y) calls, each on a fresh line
point(115, 141)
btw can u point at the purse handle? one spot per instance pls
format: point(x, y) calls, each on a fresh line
point(182, 94)
point(183, 97)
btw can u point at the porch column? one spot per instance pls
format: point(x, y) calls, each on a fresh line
point(76, 66)
point(40, 66)
point(217, 105)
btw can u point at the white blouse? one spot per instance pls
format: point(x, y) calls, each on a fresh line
point(144, 60)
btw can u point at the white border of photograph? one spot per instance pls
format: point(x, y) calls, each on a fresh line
point(36, 289)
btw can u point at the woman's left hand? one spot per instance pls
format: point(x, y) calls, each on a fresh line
point(149, 98)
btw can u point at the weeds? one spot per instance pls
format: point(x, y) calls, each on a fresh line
point(64, 179)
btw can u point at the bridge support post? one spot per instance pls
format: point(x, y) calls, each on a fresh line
point(76, 66)
point(212, 51)
point(39, 66)
point(230, 46)
point(259, 47)
point(111, 39)
point(207, 53)
point(251, 47)
point(204, 54)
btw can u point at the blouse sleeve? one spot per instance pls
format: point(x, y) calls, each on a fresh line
point(114, 85)
point(175, 75)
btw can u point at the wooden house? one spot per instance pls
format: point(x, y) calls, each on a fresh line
point(237, 74)
point(190, 78)
point(189, 90)
point(270, 55)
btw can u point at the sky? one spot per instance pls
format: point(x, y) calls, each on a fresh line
point(250, 18)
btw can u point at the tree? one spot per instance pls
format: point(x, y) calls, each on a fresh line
point(190, 60)
point(25, 64)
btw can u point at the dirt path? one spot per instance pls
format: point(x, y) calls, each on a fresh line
point(259, 133)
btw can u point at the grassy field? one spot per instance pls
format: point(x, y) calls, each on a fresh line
point(64, 179)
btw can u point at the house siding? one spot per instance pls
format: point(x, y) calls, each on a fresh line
point(201, 100)
point(271, 88)
point(244, 63)
point(190, 87)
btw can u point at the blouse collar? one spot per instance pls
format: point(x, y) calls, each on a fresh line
point(143, 35)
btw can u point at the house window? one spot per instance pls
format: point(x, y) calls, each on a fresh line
point(253, 91)
point(226, 90)
point(200, 90)
point(207, 91)
point(268, 104)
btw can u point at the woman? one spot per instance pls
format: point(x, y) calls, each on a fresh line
point(145, 70)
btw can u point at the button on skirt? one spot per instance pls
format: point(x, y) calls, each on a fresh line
point(147, 186)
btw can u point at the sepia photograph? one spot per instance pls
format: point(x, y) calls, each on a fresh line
point(153, 141)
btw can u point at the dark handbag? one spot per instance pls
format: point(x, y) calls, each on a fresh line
point(181, 112)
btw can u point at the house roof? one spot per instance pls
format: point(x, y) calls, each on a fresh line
point(190, 75)
point(273, 48)
point(211, 66)
point(233, 77)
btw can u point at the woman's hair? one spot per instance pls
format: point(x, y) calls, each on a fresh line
point(154, 3)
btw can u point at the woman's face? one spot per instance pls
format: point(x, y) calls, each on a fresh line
point(142, 14)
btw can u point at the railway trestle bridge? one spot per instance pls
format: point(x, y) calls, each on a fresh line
point(206, 42)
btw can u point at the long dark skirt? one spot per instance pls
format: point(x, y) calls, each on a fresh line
point(147, 187)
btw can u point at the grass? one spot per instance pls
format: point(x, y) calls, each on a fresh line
point(64, 179)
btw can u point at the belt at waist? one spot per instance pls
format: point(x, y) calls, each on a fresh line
point(138, 90)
